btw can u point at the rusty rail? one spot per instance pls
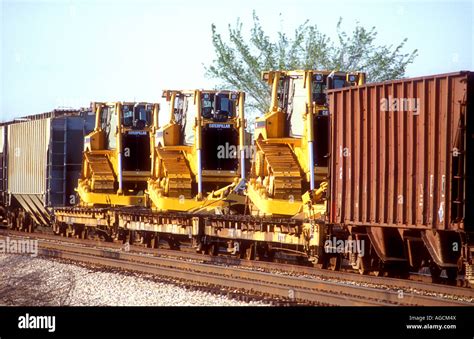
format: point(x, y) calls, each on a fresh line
point(294, 288)
point(393, 283)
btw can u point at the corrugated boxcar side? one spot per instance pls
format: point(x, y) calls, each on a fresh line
point(2, 167)
point(2, 138)
point(405, 162)
point(27, 156)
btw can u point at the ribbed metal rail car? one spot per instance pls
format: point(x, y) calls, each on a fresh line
point(3, 182)
point(402, 172)
point(40, 164)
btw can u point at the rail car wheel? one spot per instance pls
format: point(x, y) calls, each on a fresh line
point(17, 221)
point(213, 249)
point(154, 241)
point(81, 232)
point(452, 274)
point(334, 263)
point(398, 272)
point(242, 251)
point(31, 227)
point(249, 252)
point(84, 233)
point(362, 265)
point(378, 273)
point(435, 272)
point(201, 248)
point(173, 244)
point(126, 237)
point(62, 230)
point(78, 231)
point(101, 235)
point(147, 239)
point(270, 254)
point(261, 251)
point(55, 228)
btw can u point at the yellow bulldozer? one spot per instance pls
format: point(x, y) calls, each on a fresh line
point(291, 141)
point(117, 154)
point(199, 158)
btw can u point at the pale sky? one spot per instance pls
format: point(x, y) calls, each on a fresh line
point(68, 53)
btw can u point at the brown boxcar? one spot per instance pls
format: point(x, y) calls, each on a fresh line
point(402, 157)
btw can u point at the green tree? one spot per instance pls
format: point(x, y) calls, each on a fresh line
point(239, 62)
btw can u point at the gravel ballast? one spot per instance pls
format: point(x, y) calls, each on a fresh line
point(29, 281)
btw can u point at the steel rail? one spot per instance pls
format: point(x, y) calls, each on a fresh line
point(291, 284)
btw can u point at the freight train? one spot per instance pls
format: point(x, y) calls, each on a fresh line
point(378, 176)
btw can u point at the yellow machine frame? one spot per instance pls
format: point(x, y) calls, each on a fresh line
point(102, 168)
point(284, 164)
point(177, 166)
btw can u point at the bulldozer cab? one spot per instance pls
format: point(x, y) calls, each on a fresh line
point(219, 131)
point(133, 116)
point(218, 107)
point(321, 82)
point(187, 107)
point(293, 94)
point(180, 129)
point(133, 121)
point(137, 116)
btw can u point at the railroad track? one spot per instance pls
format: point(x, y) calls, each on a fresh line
point(209, 270)
point(189, 254)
